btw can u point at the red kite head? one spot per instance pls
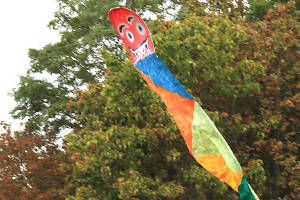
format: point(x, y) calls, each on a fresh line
point(133, 32)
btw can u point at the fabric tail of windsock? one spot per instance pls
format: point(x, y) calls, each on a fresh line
point(202, 138)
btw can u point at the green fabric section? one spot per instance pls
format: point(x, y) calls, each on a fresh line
point(245, 190)
point(207, 140)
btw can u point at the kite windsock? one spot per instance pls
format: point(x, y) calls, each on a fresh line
point(204, 141)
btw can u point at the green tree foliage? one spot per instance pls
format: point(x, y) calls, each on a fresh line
point(75, 60)
point(259, 8)
point(275, 44)
point(42, 103)
point(129, 148)
point(247, 77)
point(72, 63)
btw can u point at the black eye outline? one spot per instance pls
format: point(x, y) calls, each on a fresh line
point(140, 28)
point(129, 36)
point(121, 28)
point(130, 18)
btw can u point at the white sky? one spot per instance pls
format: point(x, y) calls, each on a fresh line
point(23, 25)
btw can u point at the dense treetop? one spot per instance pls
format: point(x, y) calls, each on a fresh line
point(240, 61)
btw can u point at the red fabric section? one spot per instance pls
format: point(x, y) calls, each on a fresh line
point(181, 109)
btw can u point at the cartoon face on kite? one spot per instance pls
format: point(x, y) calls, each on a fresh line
point(133, 32)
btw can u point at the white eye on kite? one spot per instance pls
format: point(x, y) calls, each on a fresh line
point(140, 28)
point(129, 36)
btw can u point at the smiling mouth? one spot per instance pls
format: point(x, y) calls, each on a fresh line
point(142, 51)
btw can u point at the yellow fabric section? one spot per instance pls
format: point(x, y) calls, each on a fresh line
point(218, 167)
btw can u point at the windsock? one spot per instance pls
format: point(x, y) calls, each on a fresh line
point(204, 141)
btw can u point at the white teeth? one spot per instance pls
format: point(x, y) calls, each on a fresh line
point(142, 51)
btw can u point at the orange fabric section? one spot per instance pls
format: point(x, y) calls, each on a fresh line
point(218, 167)
point(181, 109)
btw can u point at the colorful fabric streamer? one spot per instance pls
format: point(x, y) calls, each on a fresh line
point(204, 141)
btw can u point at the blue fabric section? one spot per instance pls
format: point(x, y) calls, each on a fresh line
point(161, 75)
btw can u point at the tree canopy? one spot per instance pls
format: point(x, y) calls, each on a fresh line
point(240, 62)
